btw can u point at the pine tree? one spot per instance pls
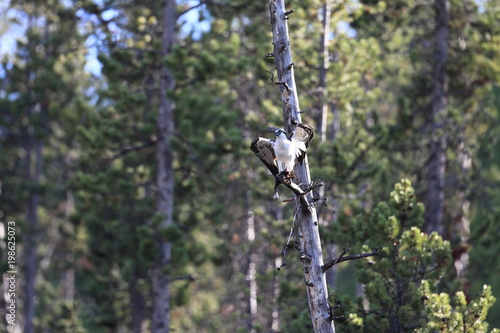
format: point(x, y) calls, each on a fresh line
point(406, 35)
point(121, 137)
point(399, 284)
point(40, 101)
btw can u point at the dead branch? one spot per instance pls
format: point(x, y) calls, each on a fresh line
point(284, 84)
point(343, 257)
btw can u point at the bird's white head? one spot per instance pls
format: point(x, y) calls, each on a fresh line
point(280, 133)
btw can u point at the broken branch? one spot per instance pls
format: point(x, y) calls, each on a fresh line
point(343, 257)
point(278, 83)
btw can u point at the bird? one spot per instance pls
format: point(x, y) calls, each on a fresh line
point(279, 155)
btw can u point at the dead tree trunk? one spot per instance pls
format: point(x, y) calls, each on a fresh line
point(310, 245)
point(437, 160)
point(323, 68)
point(165, 176)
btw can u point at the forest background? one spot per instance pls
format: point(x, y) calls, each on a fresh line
point(80, 93)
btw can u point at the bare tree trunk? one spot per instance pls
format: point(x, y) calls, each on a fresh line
point(437, 159)
point(69, 275)
point(3, 282)
point(275, 315)
point(331, 249)
point(138, 305)
point(323, 68)
point(252, 287)
point(307, 221)
point(33, 173)
point(461, 228)
point(252, 269)
point(165, 176)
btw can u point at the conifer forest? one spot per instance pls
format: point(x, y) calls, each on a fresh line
point(249, 166)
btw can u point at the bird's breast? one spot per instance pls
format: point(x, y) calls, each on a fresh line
point(283, 149)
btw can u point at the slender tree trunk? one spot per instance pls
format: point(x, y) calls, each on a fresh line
point(307, 220)
point(252, 267)
point(275, 315)
point(3, 281)
point(461, 228)
point(33, 173)
point(331, 249)
point(323, 68)
point(165, 176)
point(69, 275)
point(437, 159)
point(33, 163)
point(138, 306)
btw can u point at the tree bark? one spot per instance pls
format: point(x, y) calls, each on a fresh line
point(69, 275)
point(331, 249)
point(275, 315)
point(461, 220)
point(437, 159)
point(165, 176)
point(33, 147)
point(137, 306)
point(33, 173)
point(323, 68)
point(310, 245)
point(251, 275)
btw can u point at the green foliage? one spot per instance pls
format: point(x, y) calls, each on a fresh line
point(97, 186)
point(399, 281)
point(457, 314)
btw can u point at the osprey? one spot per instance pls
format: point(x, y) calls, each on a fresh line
point(279, 155)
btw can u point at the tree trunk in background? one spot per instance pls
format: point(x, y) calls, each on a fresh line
point(331, 249)
point(165, 176)
point(434, 204)
point(275, 315)
point(33, 163)
point(461, 227)
point(323, 69)
point(137, 305)
point(33, 172)
point(252, 266)
point(307, 221)
point(69, 279)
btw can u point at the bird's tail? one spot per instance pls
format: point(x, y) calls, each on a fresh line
point(276, 194)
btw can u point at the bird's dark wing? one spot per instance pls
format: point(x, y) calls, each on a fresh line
point(303, 135)
point(264, 150)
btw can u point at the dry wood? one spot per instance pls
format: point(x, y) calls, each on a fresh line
point(307, 222)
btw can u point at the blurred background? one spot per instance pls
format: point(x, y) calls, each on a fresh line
point(394, 89)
